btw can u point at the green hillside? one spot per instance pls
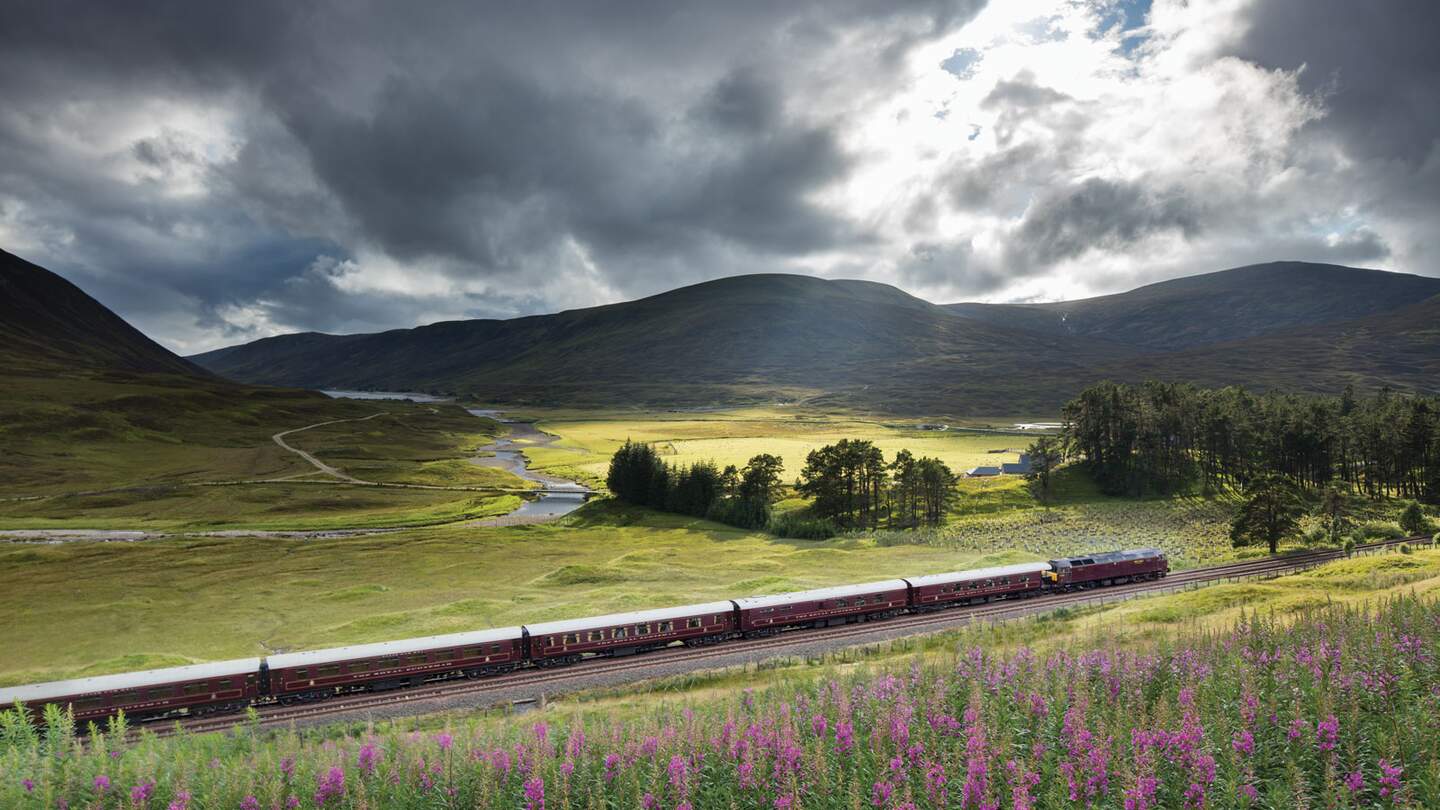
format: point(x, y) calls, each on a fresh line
point(852, 344)
point(746, 338)
point(1400, 349)
point(89, 403)
point(1218, 307)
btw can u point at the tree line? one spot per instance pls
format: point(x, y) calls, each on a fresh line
point(1161, 438)
point(853, 486)
point(735, 496)
point(850, 483)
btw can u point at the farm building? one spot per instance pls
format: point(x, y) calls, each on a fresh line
point(1020, 467)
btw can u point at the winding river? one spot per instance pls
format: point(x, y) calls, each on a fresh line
point(561, 495)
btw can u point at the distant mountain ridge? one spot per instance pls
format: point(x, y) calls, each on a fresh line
point(863, 344)
point(1219, 307)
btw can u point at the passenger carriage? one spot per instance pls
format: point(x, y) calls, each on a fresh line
point(568, 641)
point(220, 686)
point(764, 615)
point(316, 674)
point(980, 585)
point(1108, 568)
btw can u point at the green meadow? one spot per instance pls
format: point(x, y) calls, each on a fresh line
point(172, 601)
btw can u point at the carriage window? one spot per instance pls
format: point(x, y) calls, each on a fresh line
point(619, 632)
point(570, 638)
point(302, 673)
point(196, 688)
point(597, 635)
point(666, 627)
point(157, 694)
point(416, 659)
point(89, 703)
point(359, 666)
point(642, 629)
point(474, 652)
point(126, 697)
point(325, 672)
point(860, 600)
point(443, 655)
point(494, 648)
point(692, 623)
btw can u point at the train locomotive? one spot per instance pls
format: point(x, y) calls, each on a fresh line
point(287, 678)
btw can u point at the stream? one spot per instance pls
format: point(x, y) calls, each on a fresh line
point(562, 495)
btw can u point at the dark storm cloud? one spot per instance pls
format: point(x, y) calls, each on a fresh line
point(1099, 214)
point(1377, 65)
point(1377, 68)
point(662, 140)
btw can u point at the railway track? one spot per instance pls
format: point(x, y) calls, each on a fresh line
point(549, 681)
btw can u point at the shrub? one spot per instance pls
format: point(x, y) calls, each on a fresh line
point(1380, 530)
point(1413, 520)
point(744, 513)
point(800, 527)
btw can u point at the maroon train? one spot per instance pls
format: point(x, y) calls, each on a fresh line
point(229, 686)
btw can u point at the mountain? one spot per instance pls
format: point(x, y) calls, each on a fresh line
point(47, 322)
point(1399, 348)
point(88, 402)
point(744, 338)
point(1220, 307)
point(867, 345)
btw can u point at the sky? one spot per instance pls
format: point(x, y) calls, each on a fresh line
point(220, 172)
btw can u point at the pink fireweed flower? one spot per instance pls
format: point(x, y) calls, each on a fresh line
point(818, 725)
point(1248, 792)
point(1243, 742)
point(1022, 781)
point(535, 794)
point(181, 801)
point(28, 784)
point(567, 767)
point(880, 793)
point(1355, 781)
point(500, 761)
point(330, 786)
point(1298, 727)
point(612, 766)
point(287, 767)
point(844, 736)
point(249, 803)
point(1327, 733)
point(369, 755)
point(101, 783)
point(140, 794)
point(1142, 796)
point(1389, 779)
point(576, 743)
point(445, 739)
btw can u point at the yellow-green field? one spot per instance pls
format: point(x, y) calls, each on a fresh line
point(732, 437)
point(170, 601)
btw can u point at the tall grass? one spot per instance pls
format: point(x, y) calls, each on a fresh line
point(1339, 709)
